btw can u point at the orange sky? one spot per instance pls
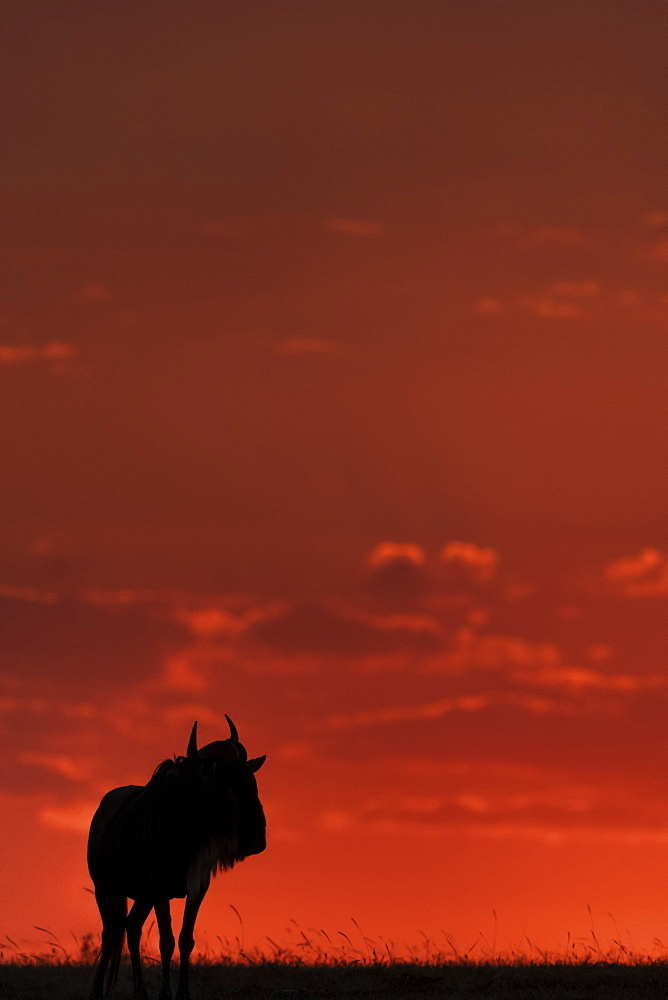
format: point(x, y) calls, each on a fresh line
point(333, 370)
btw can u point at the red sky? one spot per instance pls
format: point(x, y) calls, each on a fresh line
point(333, 371)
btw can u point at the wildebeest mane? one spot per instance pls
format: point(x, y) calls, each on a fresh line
point(180, 836)
point(180, 815)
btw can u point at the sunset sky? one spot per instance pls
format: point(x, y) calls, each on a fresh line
point(333, 396)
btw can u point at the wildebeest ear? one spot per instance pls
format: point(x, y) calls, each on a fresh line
point(256, 763)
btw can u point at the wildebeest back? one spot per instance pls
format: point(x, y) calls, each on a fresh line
point(135, 851)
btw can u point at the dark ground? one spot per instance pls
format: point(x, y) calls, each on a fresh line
point(395, 982)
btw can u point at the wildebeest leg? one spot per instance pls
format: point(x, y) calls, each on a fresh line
point(136, 919)
point(164, 919)
point(113, 909)
point(187, 941)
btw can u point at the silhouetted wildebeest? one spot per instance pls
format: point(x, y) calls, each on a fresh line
point(198, 814)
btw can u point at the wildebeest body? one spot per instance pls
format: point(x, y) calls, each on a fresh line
point(197, 815)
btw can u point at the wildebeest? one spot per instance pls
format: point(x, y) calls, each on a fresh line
point(197, 815)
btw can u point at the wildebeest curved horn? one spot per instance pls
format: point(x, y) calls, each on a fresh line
point(192, 743)
point(234, 735)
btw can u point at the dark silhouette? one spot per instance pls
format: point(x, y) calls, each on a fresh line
point(197, 815)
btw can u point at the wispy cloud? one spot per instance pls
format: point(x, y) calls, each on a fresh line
point(586, 288)
point(444, 706)
point(32, 594)
point(75, 817)
point(332, 631)
point(489, 306)
point(659, 251)
point(54, 352)
point(550, 308)
point(62, 764)
point(94, 293)
point(579, 299)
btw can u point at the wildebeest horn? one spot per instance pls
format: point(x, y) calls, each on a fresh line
point(192, 743)
point(234, 735)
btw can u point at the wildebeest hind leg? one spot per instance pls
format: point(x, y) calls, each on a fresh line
point(113, 909)
point(136, 919)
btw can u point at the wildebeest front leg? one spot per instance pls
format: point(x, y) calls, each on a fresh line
point(136, 919)
point(164, 919)
point(187, 941)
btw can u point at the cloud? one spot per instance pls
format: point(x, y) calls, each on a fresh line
point(182, 673)
point(577, 298)
point(656, 220)
point(70, 642)
point(485, 799)
point(12, 704)
point(498, 652)
point(389, 552)
point(74, 817)
point(488, 306)
point(397, 572)
point(557, 833)
point(129, 596)
point(54, 352)
point(550, 308)
point(32, 594)
point(586, 288)
point(534, 704)
point(644, 575)
point(61, 764)
point(582, 679)
point(354, 227)
point(211, 622)
point(94, 293)
point(659, 251)
point(468, 563)
point(312, 628)
point(560, 299)
point(628, 297)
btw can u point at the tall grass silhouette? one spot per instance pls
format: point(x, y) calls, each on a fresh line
point(315, 946)
point(309, 963)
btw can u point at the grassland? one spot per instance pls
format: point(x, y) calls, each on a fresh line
point(317, 966)
point(589, 981)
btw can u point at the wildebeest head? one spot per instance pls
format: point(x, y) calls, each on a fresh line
point(228, 781)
